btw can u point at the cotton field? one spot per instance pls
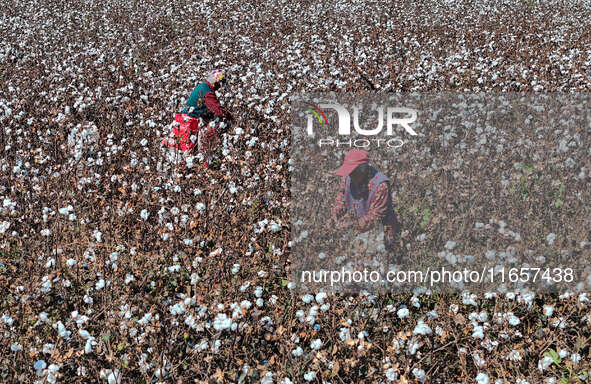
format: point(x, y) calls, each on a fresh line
point(122, 262)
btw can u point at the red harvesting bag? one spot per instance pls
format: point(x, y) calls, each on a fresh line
point(188, 126)
point(205, 136)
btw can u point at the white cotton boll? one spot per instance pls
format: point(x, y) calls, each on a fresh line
point(245, 304)
point(482, 378)
point(39, 366)
point(297, 352)
point(478, 332)
point(258, 291)
point(403, 313)
point(565, 295)
point(4, 226)
point(144, 214)
point(129, 278)
point(479, 361)
point(550, 238)
point(99, 285)
point(545, 363)
point(391, 375)
point(84, 334)
point(61, 330)
point(112, 376)
point(7, 320)
point(419, 374)
point(548, 310)
point(310, 376)
point(98, 235)
point(52, 373)
point(514, 356)
point(344, 334)
point(268, 378)
point(235, 268)
point(320, 296)
point(262, 274)
point(89, 344)
point(468, 299)
point(422, 329)
point(178, 308)
point(45, 232)
point(307, 298)
point(222, 322)
point(512, 319)
point(200, 207)
point(316, 344)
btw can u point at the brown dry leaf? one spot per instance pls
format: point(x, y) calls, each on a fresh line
point(218, 375)
point(335, 368)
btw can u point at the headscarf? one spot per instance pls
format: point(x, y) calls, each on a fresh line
point(215, 76)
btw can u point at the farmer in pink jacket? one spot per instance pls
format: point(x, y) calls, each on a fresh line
point(364, 201)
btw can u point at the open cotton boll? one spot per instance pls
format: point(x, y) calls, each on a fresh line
point(403, 313)
point(482, 378)
point(222, 322)
point(422, 329)
point(112, 376)
point(39, 366)
point(316, 344)
point(478, 332)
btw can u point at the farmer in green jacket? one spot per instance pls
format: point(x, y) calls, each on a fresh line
point(203, 101)
point(202, 104)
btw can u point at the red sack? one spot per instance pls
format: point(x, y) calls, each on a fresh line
point(206, 136)
point(188, 126)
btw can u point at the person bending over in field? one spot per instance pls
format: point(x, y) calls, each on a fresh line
point(364, 202)
point(201, 107)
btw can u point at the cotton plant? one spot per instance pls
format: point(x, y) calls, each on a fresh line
point(257, 87)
